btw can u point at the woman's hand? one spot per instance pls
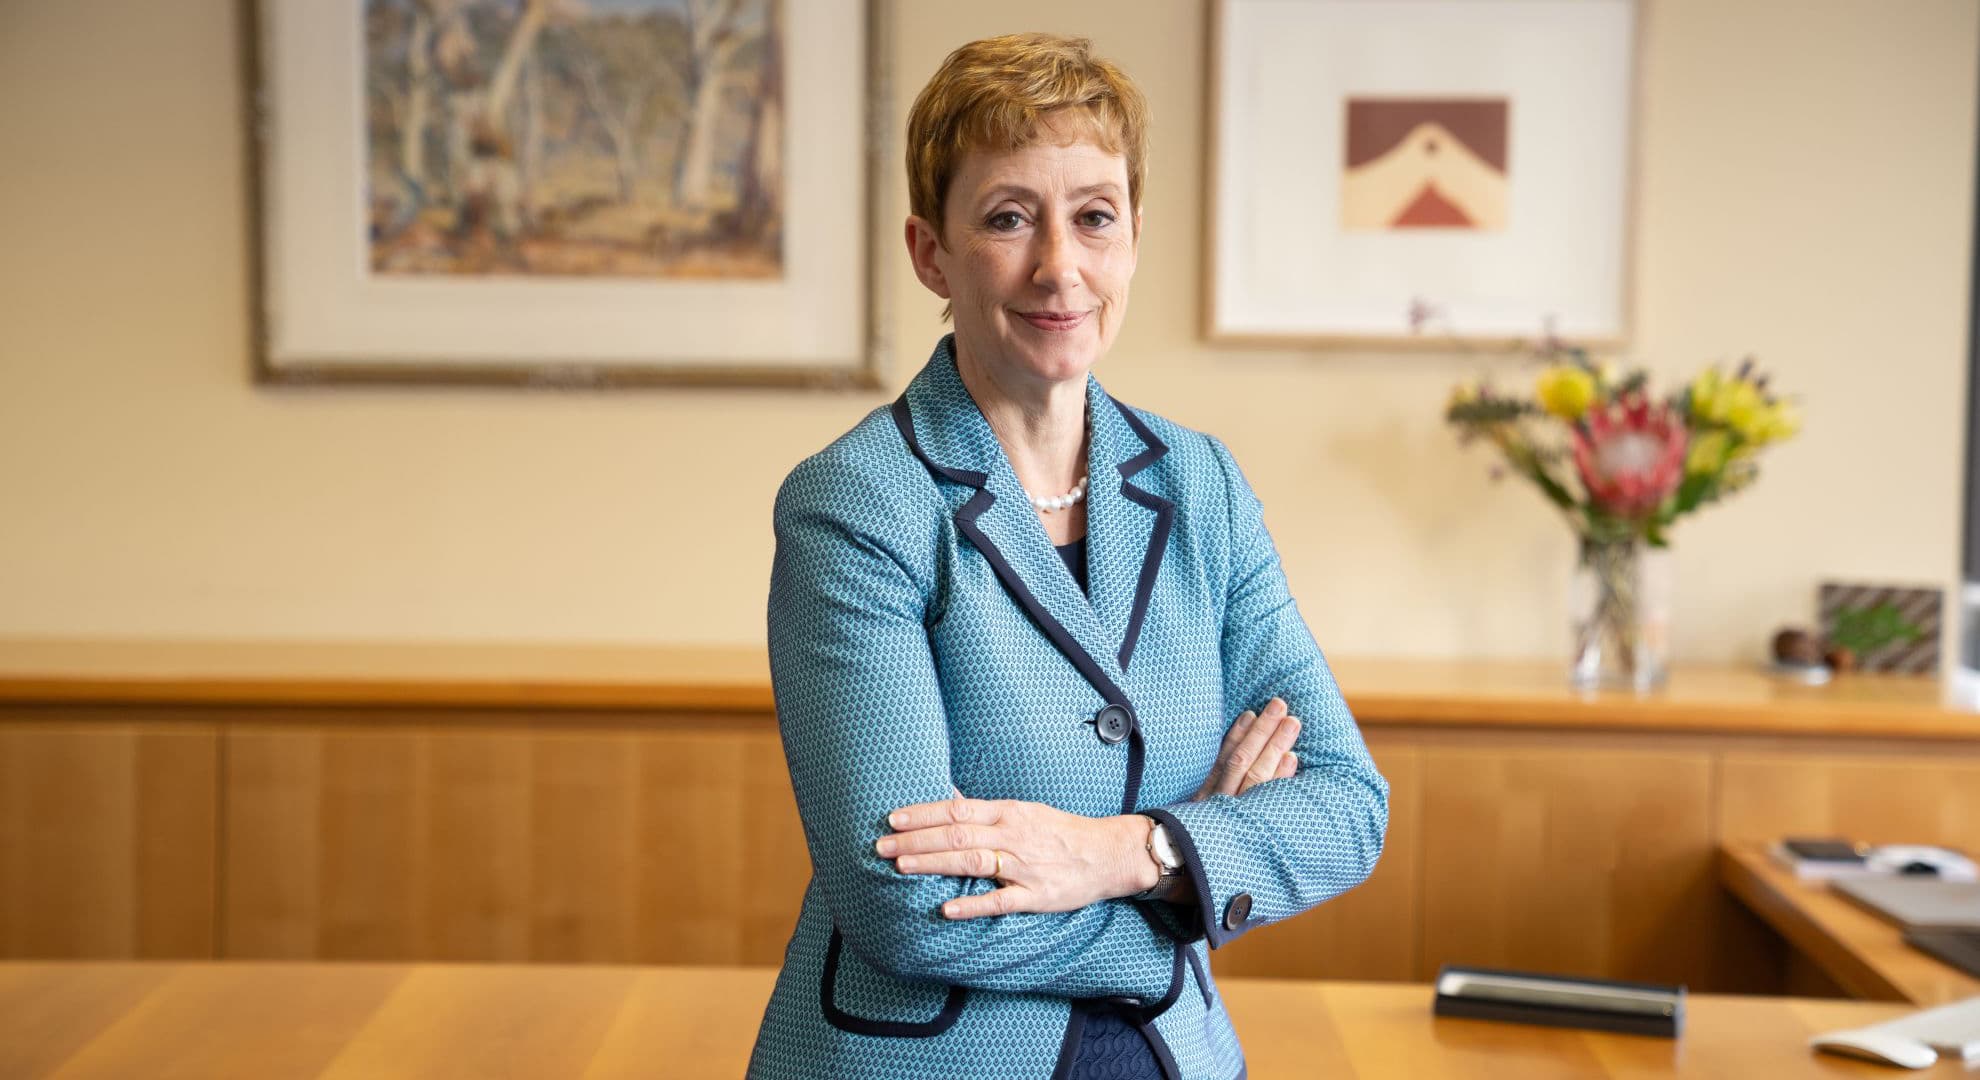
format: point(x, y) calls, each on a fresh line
point(1044, 858)
point(1257, 748)
point(1048, 860)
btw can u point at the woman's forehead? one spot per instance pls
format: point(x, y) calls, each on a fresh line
point(1077, 168)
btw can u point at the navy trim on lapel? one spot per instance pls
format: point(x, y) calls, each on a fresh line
point(1054, 630)
point(966, 517)
point(1158, 540)
point(1097, 638)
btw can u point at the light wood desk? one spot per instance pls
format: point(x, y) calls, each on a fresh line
point(1862, 952)
point(377, 1021)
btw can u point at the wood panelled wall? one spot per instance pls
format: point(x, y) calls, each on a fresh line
point(509, 843)
point(108, 839)
point(581, 836)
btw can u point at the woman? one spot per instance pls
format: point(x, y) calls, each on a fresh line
point(1007, 617)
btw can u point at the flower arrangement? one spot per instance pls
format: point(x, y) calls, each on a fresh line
point(1620, 463)
point(1623, 465)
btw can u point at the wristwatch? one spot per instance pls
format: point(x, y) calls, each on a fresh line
point(1167, 859)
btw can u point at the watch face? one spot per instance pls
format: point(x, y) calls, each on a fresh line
point(1165, 849)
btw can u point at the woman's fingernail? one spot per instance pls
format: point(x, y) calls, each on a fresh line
point(905, 864)
point(884, 845)
point(951, 910)
point(897, 819)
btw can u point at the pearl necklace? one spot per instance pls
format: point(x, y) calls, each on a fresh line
point(1059, 502)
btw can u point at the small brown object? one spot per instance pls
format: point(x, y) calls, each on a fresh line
point(1793, 645)
point(1841, 657)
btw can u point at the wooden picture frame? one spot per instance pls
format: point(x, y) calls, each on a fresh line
point(557, 223)
point(1335, 128)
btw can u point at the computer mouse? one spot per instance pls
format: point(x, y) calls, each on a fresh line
point(1877, 1046)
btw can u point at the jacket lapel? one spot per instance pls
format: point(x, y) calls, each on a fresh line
point(1126, 526)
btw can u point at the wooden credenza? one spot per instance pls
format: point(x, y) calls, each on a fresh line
point(416, 802)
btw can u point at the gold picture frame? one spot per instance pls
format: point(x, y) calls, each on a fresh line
point(694, 294)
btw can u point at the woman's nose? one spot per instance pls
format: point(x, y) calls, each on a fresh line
point(1058, 264)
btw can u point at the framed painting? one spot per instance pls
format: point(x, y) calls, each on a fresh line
point(567, 192)
point(1403, 173)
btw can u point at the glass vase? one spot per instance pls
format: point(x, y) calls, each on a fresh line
point(1619, 611)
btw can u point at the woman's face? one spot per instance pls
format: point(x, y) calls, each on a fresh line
point(1041, 245)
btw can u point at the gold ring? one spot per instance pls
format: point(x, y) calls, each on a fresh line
point(998, 874)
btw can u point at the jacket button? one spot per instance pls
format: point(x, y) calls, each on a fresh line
point(1113, 723)
point(1237, 911)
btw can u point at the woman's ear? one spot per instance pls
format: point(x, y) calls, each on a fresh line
point(924, 243)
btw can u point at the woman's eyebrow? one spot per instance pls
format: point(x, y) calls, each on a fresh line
point(1022, 193)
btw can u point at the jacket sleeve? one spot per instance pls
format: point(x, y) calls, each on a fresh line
point(865, 732)
point(1285, 845)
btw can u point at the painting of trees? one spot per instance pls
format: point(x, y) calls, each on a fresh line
point(628, 138)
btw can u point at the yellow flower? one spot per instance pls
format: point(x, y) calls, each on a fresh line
point(1782, 421)
point(1745, 410)
point(1704, 392)
point(1566, 391)
point(1708, 453)
point(1722, 399)
point(1464, 393)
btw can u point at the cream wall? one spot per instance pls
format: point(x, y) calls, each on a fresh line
point(1805, 194)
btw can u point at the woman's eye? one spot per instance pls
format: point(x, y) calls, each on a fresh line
point(1006, 221)
point(1095, 219)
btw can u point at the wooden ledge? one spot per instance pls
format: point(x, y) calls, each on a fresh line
point(1503, 694)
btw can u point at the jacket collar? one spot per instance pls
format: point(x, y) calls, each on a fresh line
point(1127, 525)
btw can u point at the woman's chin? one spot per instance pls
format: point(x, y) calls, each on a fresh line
point(1057, 358)
point(1062, 368)
point(1045, 356)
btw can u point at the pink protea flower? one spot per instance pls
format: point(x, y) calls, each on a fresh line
point(1630, 454)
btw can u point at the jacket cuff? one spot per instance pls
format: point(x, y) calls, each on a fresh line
point(1219, 922)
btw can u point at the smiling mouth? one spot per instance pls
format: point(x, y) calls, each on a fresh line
point(1054, 321)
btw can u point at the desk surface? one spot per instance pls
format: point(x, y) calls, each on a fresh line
point(1462, 693)
point(271, 1021)
point(1862, 952)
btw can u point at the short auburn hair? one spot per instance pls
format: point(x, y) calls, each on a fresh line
point(993, 94)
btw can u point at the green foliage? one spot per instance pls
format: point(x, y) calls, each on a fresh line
point(1488, 410)
point(1865, 630)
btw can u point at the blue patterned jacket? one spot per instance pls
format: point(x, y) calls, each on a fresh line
point(924, 633)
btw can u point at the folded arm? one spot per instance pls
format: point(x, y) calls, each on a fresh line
point(1284, 846)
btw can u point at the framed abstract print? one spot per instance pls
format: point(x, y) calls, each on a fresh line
point(565, 193)
point(1405, 172)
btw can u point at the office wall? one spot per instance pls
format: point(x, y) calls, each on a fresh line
point(1804, 195)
